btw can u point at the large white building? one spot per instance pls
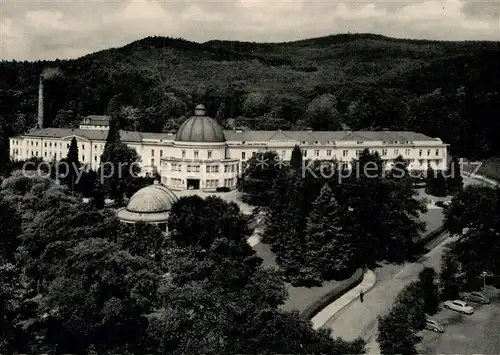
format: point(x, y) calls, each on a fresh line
point(200, 155)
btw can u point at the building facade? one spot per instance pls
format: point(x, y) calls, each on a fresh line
point(200, 155)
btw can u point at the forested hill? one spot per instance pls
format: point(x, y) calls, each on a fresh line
point(445, 89)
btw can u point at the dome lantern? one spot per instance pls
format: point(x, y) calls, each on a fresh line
point(199, 110)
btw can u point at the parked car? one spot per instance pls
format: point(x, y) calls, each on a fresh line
point(459, 306)
point(431, 324)
point(475, 296)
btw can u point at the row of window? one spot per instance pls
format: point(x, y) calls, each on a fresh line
point(212, 183)
point(229, 182)
point(175, 182)
point(196, 154)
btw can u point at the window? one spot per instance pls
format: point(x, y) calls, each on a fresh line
point(428, 152)
point(420, 152)
point(384, 152)
point(407, 142)
point(344, 153)
point(328, 152)
point(396, 142)
point(95, 157)
point(208, 168)
point(32, 153)
point(161, 153)
point(189, 168)
point(67, 146)
point(36, 153)
point(233, 168)
point(196, 154)
point(396, 152)
point(95, 146)
point(32, 143)
point(183, 154)
point(45, 154)
point(152, 152)
point(316, 153)
point(253, 154)
point(152, 161)
point(226, 168)
point(437, 152)
point(45, 144)
point(305, 153)
point(83, 157)
point(242, 155)
point(209, 154)
point(60, 155)
point(36, 144)
point(83, 147)
point(283, 153)
point(407, 151)
point(50, 144)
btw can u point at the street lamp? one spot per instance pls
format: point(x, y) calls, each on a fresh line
point(484, 274)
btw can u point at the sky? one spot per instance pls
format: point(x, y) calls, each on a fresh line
point(42, 29)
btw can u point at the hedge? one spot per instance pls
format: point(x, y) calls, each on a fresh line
point(430, 236)
point(355, 280)
point(334, 294)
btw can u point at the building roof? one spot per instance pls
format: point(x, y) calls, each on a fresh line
point(198, 133)
point(322, 137)
point(149, 204)
point(96, 120)
point(200, 128)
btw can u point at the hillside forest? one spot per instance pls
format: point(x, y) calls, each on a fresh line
point(363, 81)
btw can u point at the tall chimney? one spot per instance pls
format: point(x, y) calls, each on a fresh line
point(40, 103)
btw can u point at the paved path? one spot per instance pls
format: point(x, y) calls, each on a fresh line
point(368, 282)
point(360, 319)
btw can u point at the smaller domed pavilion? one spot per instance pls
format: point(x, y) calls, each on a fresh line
point(151, 204)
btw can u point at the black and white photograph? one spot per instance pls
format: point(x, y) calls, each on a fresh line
point(258, 177)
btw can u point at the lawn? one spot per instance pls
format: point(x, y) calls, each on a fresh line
point(301, 298)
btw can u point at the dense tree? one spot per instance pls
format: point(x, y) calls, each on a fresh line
point(255, 104)
point(119, 166)
point(285, 225)
point(10, 225)
point(395, 333)
point(428, 283)
point(435, 183)
point(412, 296)
point(73, 165)
point(258, 177)
point(450, 280)
point(327, 247)
point(322, 114)
point(473, 214)
point(454, 180)
point(296, 159)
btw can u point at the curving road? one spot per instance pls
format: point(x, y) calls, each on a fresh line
point(360, 319)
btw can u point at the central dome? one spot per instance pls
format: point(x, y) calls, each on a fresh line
point(200, 128)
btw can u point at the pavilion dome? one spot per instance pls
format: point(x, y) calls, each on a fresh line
point(150, 204)
point(155, 198)
point(200, 128)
